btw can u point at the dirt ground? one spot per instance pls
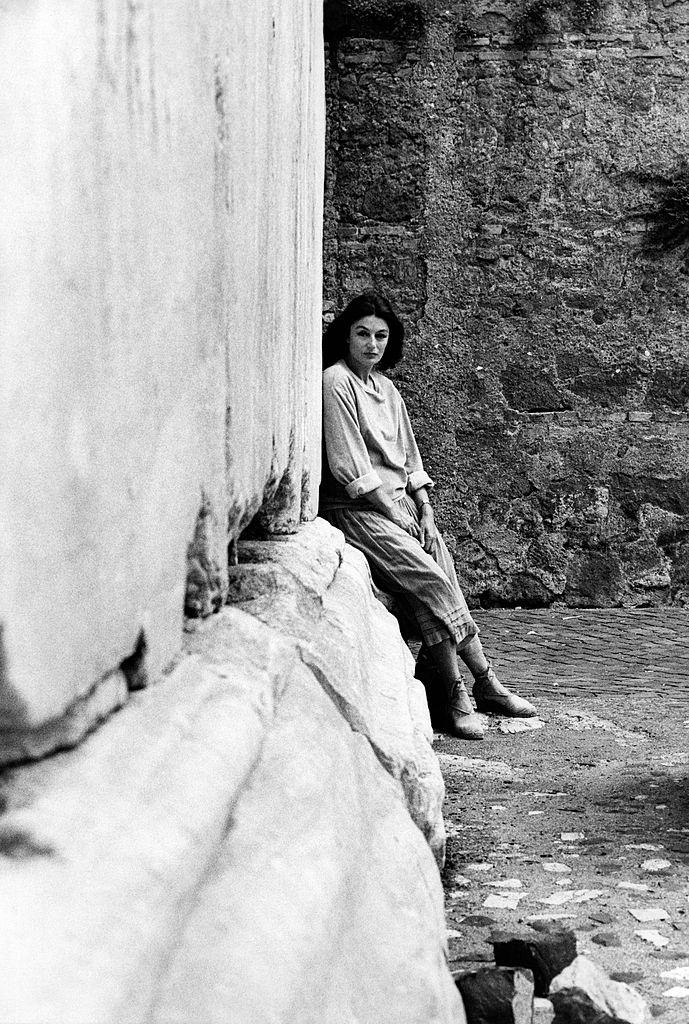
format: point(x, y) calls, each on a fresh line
point(584, 820)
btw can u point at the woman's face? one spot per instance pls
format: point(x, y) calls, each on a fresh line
point(366, 343)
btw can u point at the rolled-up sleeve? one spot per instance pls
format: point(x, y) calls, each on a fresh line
point(417, 479)
point(345, 448)
point(416, 475)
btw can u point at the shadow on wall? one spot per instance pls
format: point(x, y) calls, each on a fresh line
point(371, 19)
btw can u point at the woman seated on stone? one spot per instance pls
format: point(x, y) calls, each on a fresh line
point(375, 490)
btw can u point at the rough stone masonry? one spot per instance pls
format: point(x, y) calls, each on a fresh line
point(515, 176)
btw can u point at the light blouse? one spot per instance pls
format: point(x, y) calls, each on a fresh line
point(368, 440)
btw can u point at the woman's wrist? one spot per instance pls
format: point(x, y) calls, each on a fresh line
point(381, 502)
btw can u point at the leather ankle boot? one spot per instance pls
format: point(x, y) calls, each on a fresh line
point(491, 696)
point(463, 721)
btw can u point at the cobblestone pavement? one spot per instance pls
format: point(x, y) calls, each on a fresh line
point(584, 820)
point(592, 651)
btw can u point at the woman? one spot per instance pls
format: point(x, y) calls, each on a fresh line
point(375, 490)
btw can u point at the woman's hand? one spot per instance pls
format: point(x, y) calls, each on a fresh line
point(395, 512)
point(428, 531)
point(405, 521)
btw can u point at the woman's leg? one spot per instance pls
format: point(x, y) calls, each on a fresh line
point(428, 584)
point(417, 579)
point(463, 721)
point(488, 691)
point(444, 658)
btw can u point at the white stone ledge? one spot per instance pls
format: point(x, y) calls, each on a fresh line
point(108, 843)
point(325, 904)
point(284, 765)
point(353, 645)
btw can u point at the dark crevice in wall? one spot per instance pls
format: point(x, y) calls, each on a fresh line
point(18, 844)
point(206, 579)
point(3, 658)
point(134, 665)
point(280, 511)
point(636, 489)
point(668, 219)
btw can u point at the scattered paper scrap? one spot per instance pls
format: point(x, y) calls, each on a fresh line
point(452, 934)
point(508, 901)
point(571, 837)
point(462, 880)
point(652, 866)
point(646, 914)
point(478, 765)
point(498, 807)
point(653, 936)
point(507, 883)
point(556, 899)
point(643, 846)
point(677, 974)
point(634, 886)
point(584, 895)
point(532, 814)
point(677, 992)
point(563, 881)
point(479, 866)
point(513, 725)
point(455, 828)
point(555, 868)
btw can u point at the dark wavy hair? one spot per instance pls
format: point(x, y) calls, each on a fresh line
point(366, 304)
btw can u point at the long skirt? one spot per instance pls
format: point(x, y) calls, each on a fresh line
point(424, 583)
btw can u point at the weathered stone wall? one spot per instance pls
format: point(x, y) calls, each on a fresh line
point(160, 218)
point(515, 176)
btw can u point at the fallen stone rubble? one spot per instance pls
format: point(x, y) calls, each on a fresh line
point(538, 978)
point(544, 951)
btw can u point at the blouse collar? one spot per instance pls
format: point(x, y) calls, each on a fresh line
point(373, 387)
